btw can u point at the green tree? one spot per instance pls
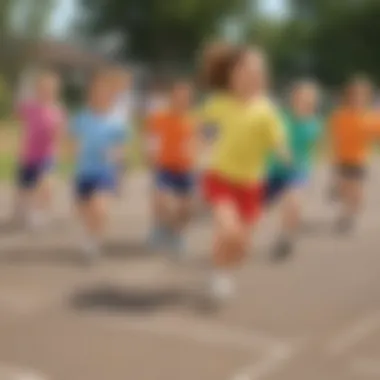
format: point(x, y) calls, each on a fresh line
point(349, 43)
point(159, 31)
point(36, 16)
point(5, 15)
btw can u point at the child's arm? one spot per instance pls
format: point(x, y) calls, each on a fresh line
point(150, 141)
point(276, 136)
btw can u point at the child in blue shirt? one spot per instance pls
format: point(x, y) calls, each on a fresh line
point(99, 148)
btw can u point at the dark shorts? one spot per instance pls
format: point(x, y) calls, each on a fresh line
point(351, 172)
point(178, 183)
point(276, 185)
point(29, 175)
point(88, 185)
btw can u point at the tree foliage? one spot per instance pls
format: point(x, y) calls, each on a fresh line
point(157, 30)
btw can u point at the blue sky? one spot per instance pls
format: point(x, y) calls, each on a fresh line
point(66, 10)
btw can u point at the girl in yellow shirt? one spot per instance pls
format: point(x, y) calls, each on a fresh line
point(241, 127)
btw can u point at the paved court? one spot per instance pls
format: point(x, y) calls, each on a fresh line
point(135, 316)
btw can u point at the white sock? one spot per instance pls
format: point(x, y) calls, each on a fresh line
point(222, 284)
point(36, 219)
point(91, 244)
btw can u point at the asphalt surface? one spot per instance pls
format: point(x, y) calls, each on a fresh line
point(135, 315)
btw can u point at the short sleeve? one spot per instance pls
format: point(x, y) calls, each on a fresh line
point(316, 131)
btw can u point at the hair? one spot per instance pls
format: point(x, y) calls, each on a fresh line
point(303, 83)
point(355, 80)
point(217, 63)
point(44, 72)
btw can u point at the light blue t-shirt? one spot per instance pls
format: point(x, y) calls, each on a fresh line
point(96, 135)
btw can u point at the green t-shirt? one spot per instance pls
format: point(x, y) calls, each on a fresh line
point(302, 135)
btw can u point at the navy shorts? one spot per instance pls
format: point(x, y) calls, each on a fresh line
point(88, 185)
point(351, 172)
point(30, 174)
point(276, 185)
point(178, 183)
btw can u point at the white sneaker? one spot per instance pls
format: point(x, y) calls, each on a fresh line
point(222, 287)
point(36, 221)
point(90, 249)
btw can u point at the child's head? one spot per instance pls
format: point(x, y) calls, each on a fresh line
point(358, 92)
point(236, 69)
point(181, 95)
point(304, 98)
point(47, 86)
point(121, 79)
point(101, 92)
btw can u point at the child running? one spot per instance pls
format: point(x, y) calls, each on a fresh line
point(245, 128)
point(42, 121)
point(122, 112)
point(99, 145)
point(170, 144)
point(287, 182)
point(353, 128)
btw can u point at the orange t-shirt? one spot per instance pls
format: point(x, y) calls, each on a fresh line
point(352, 134)
point(173, 137)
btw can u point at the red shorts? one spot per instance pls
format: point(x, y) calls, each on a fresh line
point(247, 199)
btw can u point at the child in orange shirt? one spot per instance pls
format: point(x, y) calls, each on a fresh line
point(170, 142)
point(353, 128)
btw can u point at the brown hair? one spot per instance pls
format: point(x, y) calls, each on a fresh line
point(218, 61)
point(356, 80)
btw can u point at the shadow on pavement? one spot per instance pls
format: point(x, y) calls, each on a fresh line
point(116, 299)
point(124, 300)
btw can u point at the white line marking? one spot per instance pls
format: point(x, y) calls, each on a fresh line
point(354, 335)
point(277, 352)
point(275, 359)
point(205, 333)
point(270, 364)
point(366, 367)
point(8, 372)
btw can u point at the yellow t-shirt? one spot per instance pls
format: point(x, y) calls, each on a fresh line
point(243, 135)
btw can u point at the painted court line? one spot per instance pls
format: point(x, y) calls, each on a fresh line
point(270, 364)
point(204, 333)
point(276, 353)
point(354, 334)
point(8, 372)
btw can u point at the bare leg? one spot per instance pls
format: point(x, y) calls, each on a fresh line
point(93, 214)
point(231, 241)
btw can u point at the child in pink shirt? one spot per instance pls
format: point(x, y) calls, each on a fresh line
point(42, 119)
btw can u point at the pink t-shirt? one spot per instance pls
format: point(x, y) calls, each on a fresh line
point(41, 127)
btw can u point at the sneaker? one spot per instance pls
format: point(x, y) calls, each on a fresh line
point(36, 221)
point(283, 250)
point(90, 250)
point(157, 238)
point(221, 287)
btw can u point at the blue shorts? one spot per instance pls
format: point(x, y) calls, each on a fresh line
point(86, 185)
point(276, 185)
point(29, 175)
point(178, 183)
